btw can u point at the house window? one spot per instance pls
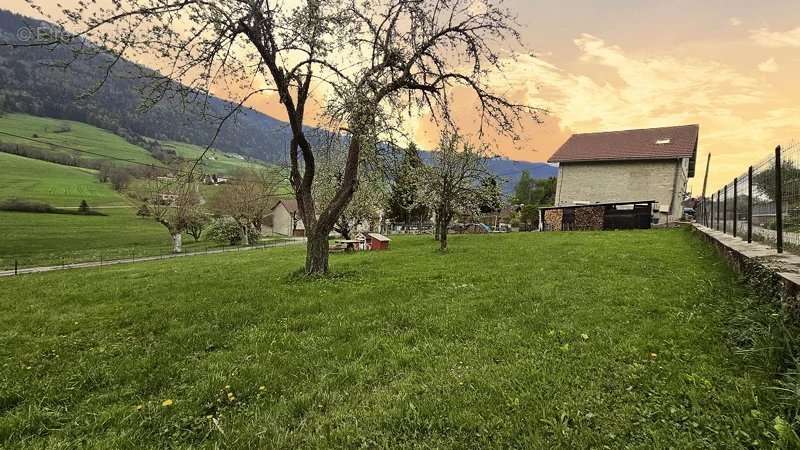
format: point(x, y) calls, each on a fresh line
point(663, 141)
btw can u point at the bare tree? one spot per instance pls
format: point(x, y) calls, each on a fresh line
point(174, 203)
point(372, 59)
point(249, 198)
point(457, 181)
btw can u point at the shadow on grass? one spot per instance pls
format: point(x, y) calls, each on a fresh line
point(300, 276)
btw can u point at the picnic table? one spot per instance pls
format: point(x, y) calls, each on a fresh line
point(348, 245)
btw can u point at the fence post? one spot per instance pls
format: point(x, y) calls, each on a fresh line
point(713, 210)
point(711, 217)
point(701, 217)
point(779, 198)
point(735, 204)
point(725, 211)
point(16, 267)
point(750, 205)
point(719, 206)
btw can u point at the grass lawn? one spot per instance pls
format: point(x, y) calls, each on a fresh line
point(79, 135)
point(622, 339)
point(35, 239)
point(57, 185)
point(44, 239)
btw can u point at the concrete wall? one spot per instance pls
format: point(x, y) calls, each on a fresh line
point(624, 181)
point(282, 221)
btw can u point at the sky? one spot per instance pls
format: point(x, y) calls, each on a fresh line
point(728, 65)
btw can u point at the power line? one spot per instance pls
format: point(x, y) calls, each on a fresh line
point(115, 158)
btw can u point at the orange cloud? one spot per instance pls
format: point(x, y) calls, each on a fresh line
point(776, 39)
point(740, 116)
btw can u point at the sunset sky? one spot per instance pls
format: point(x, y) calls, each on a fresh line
point(729, 65)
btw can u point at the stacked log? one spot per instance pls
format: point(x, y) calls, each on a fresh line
point(589, 218)
point(553, 219)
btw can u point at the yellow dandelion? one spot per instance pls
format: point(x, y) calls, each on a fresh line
point(167, 402)
point(227, 386)
point(262, 388)
point(140, 407)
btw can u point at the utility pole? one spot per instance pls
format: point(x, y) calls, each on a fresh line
point(705, 179)
point(705, 184)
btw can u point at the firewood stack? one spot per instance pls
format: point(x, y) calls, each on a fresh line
point(589, 218)
point(553, 219)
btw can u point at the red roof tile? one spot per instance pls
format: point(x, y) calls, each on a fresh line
point(650, 143)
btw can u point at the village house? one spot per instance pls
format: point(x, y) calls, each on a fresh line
point(651, 164)
point(286, 219)
point(167, 198)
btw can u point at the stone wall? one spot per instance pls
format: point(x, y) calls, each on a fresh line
point(772, 275)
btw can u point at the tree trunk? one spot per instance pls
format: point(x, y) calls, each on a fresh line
point(317, 253)
point(344, 229)
point(443, 237)
point(245, 235)
point(177, 241)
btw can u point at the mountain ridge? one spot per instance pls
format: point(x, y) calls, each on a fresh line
point(31, 88)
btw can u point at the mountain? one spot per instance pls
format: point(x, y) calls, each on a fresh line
point(28, 86)
point(511, 171)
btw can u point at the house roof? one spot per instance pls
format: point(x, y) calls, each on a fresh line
point(378, 237)
point(289, 204)
point(649, 143)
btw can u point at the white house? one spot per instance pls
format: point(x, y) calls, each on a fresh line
point(286, 219)
point(628, 166)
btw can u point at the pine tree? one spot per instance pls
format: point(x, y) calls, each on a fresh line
point(404, 203)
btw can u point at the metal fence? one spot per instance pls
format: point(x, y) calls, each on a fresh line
point(762, 204)
point(20, 265)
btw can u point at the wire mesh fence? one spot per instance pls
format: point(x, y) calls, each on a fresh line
point(762, 204)
point(791, 196)
point(13, 265)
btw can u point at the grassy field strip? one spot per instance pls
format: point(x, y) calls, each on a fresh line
point(215, 161)
point(60, 186)
point(89, 264)
point(71, 134)
point(35, 240)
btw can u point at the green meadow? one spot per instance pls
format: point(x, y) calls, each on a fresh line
point(54, 133)
point(215, 161)
point(551, 340)
point(57, 185)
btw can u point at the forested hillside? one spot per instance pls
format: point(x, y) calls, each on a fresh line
point(28, 85)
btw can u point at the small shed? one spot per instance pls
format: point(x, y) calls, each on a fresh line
point(377, 241)
point(597, 216)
